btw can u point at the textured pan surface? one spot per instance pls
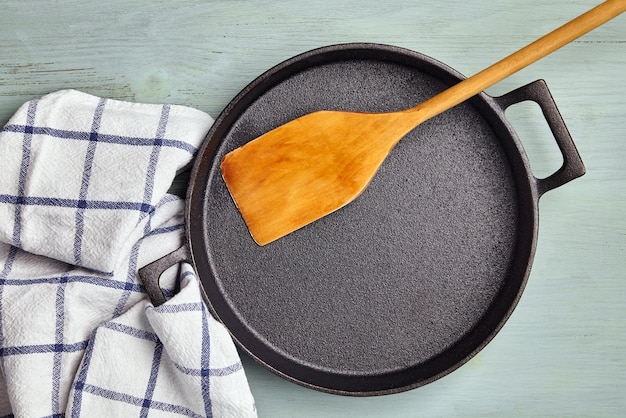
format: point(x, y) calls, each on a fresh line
point(403, 284)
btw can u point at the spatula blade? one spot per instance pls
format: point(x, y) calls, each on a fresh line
point(304, 170)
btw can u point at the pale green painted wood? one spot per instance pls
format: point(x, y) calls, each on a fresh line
point(563, 352)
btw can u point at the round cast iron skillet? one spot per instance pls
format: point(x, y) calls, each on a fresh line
point(413, 278)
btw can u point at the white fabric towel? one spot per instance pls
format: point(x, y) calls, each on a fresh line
point(83, 206)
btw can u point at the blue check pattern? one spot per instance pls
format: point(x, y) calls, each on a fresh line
point(85, 189)
point(84, 205)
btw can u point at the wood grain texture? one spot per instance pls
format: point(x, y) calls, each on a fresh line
point(316, 164)
point(562, 351)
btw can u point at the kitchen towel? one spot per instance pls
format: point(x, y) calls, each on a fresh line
point(83, 206)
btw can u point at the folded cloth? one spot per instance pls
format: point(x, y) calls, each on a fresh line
point(83, 206)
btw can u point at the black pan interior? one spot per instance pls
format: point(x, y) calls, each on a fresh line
point(400, 286)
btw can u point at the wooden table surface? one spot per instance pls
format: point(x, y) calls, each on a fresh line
point(562, 353)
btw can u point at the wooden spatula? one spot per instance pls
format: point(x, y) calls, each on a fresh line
point(314, 165)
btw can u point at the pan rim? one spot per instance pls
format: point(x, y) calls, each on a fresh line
point(489, 107)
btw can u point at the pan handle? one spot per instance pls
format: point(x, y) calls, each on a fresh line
point(151, 273)
point(573, 166)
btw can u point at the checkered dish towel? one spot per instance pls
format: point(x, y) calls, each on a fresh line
point(84, 205)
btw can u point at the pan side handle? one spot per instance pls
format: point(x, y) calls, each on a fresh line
point(151, 273)
point(573, 166)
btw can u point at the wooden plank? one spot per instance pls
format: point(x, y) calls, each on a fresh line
point(562, 352)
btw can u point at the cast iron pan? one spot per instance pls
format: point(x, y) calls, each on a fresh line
point(409, 281)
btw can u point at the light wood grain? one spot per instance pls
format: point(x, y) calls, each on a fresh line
point(318, 163)
point(562, 351)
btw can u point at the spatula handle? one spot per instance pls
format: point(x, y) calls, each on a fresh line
point(518, 60)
